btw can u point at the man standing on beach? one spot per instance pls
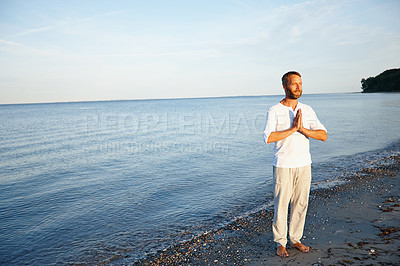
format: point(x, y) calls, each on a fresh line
point(289, 125)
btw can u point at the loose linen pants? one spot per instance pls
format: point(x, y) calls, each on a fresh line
point(292, 185)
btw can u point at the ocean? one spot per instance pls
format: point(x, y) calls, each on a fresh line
point(94, 182)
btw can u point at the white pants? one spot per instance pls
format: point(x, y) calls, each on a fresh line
point(292, 185)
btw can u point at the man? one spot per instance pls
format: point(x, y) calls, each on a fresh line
point(289, 125)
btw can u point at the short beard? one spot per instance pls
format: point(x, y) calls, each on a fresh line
point(292, 96)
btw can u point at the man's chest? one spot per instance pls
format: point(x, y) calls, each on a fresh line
point(284, 120)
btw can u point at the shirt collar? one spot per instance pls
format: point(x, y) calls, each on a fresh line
point(298, 106)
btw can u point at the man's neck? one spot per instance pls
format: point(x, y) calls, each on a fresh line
point(290, 103)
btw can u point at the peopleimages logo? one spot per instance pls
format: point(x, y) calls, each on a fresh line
point(188, 123)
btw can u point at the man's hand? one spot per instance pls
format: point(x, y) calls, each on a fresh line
point(308, 133)
point(298, 121)
point(297, 126)
point(280, 135)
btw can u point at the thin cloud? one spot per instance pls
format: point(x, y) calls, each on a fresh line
point(11, 43)
point(30, 31)
point(27, 48)
point(62, 23)
point(201, 53)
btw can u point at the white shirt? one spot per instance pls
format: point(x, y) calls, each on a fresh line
point(293, 151)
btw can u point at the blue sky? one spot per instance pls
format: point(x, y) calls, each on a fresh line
point(53, 51)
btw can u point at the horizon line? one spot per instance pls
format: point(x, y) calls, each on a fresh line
point(161, 99)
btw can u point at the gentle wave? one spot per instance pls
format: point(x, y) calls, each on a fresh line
point(90, 182)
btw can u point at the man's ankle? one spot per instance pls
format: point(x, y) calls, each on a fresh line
point(280, 245)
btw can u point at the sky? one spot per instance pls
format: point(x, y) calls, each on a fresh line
point(91, 50)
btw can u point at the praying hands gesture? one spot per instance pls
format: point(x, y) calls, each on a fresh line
point(308, 133)
point(298, 126)
point(298, 121)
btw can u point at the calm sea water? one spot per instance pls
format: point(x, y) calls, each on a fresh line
point(96, 181)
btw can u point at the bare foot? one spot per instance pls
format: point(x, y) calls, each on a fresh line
point(301, 247)
point(281, 252)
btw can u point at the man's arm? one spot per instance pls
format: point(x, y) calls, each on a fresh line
point(280, 135)
point(318, 134)
point(298, 126)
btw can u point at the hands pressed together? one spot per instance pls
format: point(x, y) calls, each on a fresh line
point(308, 133)
point(298, 127)
point(298, 121)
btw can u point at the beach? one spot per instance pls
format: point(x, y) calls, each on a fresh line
point(353, 223)
point(185, 181)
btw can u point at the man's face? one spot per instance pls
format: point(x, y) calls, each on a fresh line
point(294, 87)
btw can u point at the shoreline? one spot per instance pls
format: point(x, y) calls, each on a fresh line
point(355, 222)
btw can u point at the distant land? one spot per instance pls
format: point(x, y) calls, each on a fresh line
point(388, 80)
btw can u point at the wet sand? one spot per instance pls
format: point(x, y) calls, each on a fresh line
point(355, 223)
